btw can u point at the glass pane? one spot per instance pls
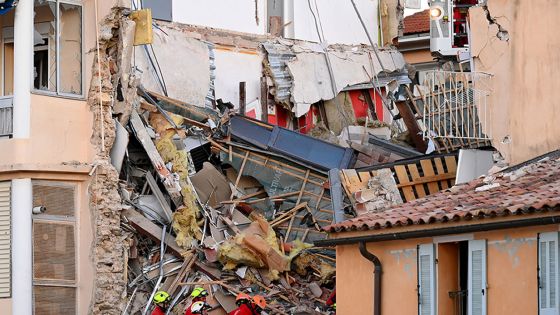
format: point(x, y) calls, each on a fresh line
point(44, 41)
point(70, 48)
point(54, 300)
point(54, 252)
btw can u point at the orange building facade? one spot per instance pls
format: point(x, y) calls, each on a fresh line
point(486, 247)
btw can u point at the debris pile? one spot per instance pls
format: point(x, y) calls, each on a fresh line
point(227, 203)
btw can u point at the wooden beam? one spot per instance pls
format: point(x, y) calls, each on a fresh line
point(264, 100)
point(242, 98)
point(412, 125)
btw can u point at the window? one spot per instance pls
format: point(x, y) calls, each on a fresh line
point(452, 278)
point(5, 240)
point(58, 48)
point(54, 248)
point(548, 273)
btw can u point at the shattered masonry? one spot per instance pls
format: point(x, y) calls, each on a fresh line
point(105, 202)
point(255, 234)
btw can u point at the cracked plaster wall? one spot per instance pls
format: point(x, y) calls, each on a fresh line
point(516, 41)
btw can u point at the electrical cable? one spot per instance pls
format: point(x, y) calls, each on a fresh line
point(159, 68)
point(329, 67)
point(101, 118)
point(384, 70)
point(158, 72)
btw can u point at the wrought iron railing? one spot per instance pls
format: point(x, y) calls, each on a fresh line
point(459, 302)
point(455, 108)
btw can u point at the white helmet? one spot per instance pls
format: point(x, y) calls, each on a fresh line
point(197, 307)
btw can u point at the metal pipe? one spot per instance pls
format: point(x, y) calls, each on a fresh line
point(376, 277)
point(442, 231)
point(161, 254)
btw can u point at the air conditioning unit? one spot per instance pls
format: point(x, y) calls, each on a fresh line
point(449, 27)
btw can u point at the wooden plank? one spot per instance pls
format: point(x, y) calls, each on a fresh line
point(234, 190)
point(440, 170)
point(411, 123)
point(402, 176)
point(429, 179)
point(159, 196)
point(428, 171)
point(416, 179)
point(353, 181)
point(264, 100)
point(152, 231)
point(364, 177)
point(166, 177)
point(451, 164)
point(242, 98)
point(297, 202)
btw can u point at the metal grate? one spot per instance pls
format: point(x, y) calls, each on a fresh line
point(455, 109)
point(54, 300)
point(54, 248)
point(57, 198)
point(54, 254)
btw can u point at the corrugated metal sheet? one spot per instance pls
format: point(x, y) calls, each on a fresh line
point(278, 55)
point(5, 240)
point(210, 97)
point(6, 116)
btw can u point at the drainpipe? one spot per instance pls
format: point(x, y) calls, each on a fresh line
point(288, 20)
point(22, 255)
point(23, 63)
point(376, 277)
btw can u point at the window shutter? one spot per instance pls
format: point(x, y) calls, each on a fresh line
point(5, 240)
point(477, 278)
point(426, 280)
point(548, 273)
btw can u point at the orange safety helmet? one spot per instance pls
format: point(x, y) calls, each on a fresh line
point(242, 298)
point(259, 301)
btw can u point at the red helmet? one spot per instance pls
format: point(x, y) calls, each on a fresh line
point(259, 301)
point(242, 298)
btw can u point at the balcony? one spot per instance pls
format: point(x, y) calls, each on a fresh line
point(455, 109)
point(6, 116)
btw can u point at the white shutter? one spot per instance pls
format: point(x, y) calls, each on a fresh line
point(477, 278)
point(548, 273)
point(5, 240)
point(426, 280)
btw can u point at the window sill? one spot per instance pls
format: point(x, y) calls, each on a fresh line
point(54, 94)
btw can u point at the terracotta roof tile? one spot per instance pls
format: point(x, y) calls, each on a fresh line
point(533, 188)
point(417, 23)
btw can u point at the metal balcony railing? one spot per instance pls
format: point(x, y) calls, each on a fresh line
point(459, 302)
point(456, 113)
point(6, 116)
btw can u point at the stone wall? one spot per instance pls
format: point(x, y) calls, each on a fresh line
point(109, 250)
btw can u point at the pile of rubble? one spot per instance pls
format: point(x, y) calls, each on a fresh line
point(227, 203)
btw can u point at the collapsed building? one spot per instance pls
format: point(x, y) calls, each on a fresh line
point(219, 151)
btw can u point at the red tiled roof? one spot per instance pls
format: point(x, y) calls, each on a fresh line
point(417, 23)
point(533, 188)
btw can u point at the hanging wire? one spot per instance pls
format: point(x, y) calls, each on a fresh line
point(149, 52)
point(329, 67)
